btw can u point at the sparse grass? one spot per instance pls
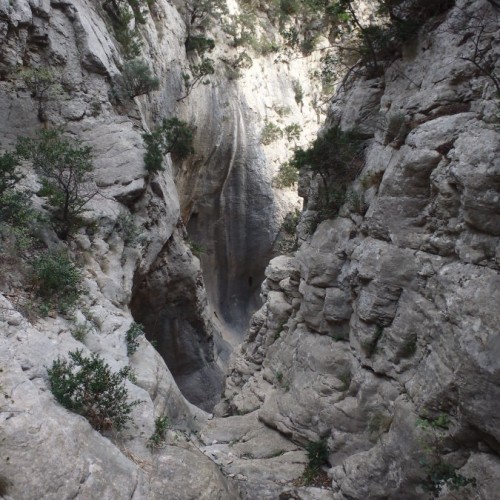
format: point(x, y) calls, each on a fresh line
point(162, 424)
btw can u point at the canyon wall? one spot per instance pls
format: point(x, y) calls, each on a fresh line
point(380, 335)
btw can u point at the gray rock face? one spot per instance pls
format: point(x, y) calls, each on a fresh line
point(393, 316)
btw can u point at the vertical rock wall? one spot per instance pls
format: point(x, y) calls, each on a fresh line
point(387, 316)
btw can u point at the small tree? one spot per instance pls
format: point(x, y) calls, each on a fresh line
point(136, 79)
point(57, 280)
point(172, 136)
point(8, 175)
point(198, 73)
point(86, 385)
point(44, 85)
point(65, 167)
point(334, 157)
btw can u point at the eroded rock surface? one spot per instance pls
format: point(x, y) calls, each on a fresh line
point(386, 316)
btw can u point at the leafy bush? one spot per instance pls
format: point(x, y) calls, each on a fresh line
point(293, 131)
point(44, 85)
point(335, 158)
point(172, 136)
point(65, 167)
point(298, 92)
point(87, 386)
point(317, 455)
point(133, 333)
point(200, 44)
point(57, 280)
point(158, 437)
point(130, 232)
point(198, 73)
point(287, 176)
point(8, 175)
point(270, 133)
point(136, 79)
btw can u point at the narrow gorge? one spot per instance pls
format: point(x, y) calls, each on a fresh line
point(249, 250)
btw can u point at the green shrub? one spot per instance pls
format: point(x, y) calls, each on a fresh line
point(57, 280)
point(44, 85)
point(131, 233)
point(317, 455)
point(133, 333)
point(200, 44)
point(198, 249)
point(136, 79)
point(65, 167)
point(8, 175)
point(80, 331)
point(335, 158)
point(199, 72)
point(162, 424)
point(172, 136)
point(270, 133)
point(87, 386)
point(298, 92)
point(293, 131)
point(287, 176)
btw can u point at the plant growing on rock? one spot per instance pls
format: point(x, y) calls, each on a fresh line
point(438, 472)
point(57, 280)
point(173, 136)
point(158, 437)
point(65, 167)
point(270, 133)
point(44, 85)
point(136, 79)
point(335, 157)
point(133, 333)
point(199, 72)
point(87, 386)
point(317, 455)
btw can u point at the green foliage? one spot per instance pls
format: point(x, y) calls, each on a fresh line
point(200, 14)
point(199, 72)
point(124, 14)
point(65, 168)
point(130, 232)
point(162, 424)
point(80, 331)
point(8, 175)
point(370, 346)
point(197, 248)
point(409, 348)
point(298, 92)
point(293, 131)
point(200, 44)
point(270, 133)
point(133, 333)
point(136, 79)
point(335, 158)
point(87, 386)
point(173, 136)
point(287, 176)
point(44, 85)
point(317, 455)
point(439, 473)
point(57, 280)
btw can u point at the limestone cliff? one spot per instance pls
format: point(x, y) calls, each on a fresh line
point(381, 333)
point(153, 277)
